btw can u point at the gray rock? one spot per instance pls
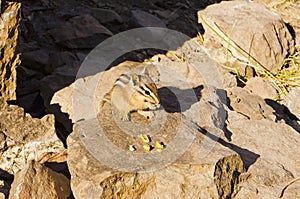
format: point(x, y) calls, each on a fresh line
point(29, 102)
point(210, 167)
point(262, 87)
point(61, 59)
point(65, 66)
point(79, 32)
point(30, 46)
point(276, 144)
point(28, 87)
point(180, 87)
point(292, 101)
point(36, 60)
point(9, 59)
point(38, 181)
point(106, 15)
point(167, 14)
point(250, 105)
point(289, 12)
point(144, 19)
point(29, 74)
point(267, 40)
point(52, 83)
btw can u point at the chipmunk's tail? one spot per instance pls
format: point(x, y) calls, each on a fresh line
point(105, 99)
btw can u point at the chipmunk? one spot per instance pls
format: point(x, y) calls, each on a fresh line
point(133, 93)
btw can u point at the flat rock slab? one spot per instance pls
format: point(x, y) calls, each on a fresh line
point(101, 163)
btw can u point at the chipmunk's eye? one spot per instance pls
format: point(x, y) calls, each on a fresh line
point(147, 92)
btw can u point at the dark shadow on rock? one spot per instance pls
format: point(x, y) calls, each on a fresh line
point(59, 167)
point(291, 30)
point(283, 113)
point(8, 179)
point(247, 156)
point(63, 124)
point(227, 133)
point(225, 100)
point(223, 96)
point(175, 100)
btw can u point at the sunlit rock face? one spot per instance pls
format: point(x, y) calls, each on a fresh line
point(9, 59)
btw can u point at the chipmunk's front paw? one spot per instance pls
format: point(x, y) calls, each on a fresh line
point(147, 114)
point(125, 116)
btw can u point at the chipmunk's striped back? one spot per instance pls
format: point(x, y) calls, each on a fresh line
point(123, 80)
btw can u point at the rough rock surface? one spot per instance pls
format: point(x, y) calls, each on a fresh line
point(276, 145)
point(106, 15)
point(64, 32)
point(9, 59)
point(185, 179)
point(250, 105)
point(38, 181)
point(289, 10)
point(23, 138)
point(268, 41)
point(80, 32)
point(179, 92)
point(251, 156)
point(262, 87)
point(144, 19)
point(292, 101)
point(252, 165)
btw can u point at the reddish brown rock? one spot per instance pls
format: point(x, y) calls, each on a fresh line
point(37, 181)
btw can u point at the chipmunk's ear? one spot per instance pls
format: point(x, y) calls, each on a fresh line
point(135, 79)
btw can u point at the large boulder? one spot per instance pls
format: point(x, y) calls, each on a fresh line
point(181, 85)
point(276, 167)
point(204, 157)
point(246, 31)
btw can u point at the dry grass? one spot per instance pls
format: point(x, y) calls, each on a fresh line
point(286, 78)
point(289, 76)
